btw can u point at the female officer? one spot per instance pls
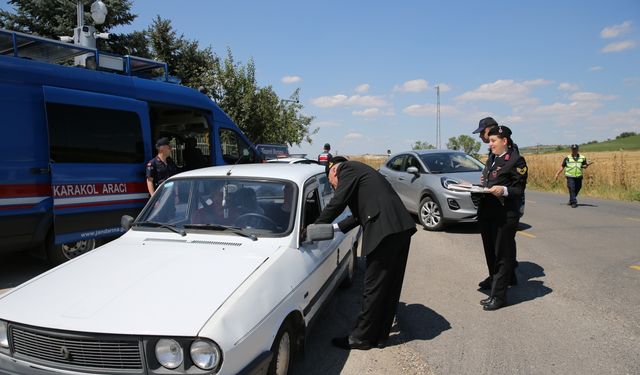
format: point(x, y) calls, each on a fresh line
point(505, 179)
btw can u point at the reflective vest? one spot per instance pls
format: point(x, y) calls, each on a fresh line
point(574, 166)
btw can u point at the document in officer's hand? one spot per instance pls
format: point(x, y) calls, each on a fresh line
point(468, 188)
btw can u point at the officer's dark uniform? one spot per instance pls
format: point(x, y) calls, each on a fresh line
point(500, 217)
point(325, 157)
point(160, 171)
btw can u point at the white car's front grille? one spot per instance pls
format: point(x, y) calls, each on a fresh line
point(71, 351)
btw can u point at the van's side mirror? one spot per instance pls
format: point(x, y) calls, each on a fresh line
point(319, 232)
point(125, 222)
point(413, 170)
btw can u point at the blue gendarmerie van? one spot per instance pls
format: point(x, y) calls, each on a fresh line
point(75, 141)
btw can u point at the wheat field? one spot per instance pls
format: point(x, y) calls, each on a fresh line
point(613, 175)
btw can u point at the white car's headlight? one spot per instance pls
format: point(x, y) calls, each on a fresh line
point(205, 354)
point(169, 353)
point(4, 335)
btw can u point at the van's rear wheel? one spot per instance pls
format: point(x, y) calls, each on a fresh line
point(58, 254)
point(282, 350)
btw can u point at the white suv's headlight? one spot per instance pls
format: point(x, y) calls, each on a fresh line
point(169, 353)
point(205, 354)
point(446, 181)
point(4, 335)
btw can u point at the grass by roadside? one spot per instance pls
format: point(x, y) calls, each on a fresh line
point(614, 175)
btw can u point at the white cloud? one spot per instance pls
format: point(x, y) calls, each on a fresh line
point(362, 89)
point(537, 82)
point(512, 119)
point(429, 109)
point(416, 85)
point(508, 91)
point(618, 46)
point(589, 96)
point(290, 79)
point(615, 30)
point(345, 101)
point(444, 87)
point(631, 81)
point(327, 124)
point(595, 68)
point(372, 112)
point(353, 136)
point(565, 86)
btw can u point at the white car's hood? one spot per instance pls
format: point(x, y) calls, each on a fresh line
point(137, 286)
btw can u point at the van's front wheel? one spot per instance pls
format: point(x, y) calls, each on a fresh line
point(58, 254)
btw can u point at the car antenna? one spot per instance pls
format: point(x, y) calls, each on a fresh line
point(240, 157)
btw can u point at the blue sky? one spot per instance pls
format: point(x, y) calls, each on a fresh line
point(554, 71)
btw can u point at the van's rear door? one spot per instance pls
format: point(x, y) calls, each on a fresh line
point(98, 146)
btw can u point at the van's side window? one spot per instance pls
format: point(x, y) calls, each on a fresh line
point(234, 149)
point(93, 135)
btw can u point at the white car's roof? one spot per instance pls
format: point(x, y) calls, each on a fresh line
point(298, 173)
point(291, 160)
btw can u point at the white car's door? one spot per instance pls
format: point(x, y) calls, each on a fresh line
point(320, 257)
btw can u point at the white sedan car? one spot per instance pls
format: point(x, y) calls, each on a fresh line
point(213, 277)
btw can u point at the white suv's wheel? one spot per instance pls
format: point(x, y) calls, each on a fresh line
point(430, 214)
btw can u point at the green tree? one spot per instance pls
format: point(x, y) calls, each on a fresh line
point(419, 145)
point(464, 143)
point(55, 18)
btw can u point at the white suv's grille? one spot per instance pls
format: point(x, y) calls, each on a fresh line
point(72, 351)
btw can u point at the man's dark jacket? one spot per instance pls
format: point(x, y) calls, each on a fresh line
point(373, 203)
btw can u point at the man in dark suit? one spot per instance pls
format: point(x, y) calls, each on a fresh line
point(387, 230)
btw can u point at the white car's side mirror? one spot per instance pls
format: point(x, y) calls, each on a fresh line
point(413, 170)
point(319, 232)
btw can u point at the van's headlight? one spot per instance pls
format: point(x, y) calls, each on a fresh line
point(205, 354)
point(446, 181)
point(169, 353)
point(4, 335)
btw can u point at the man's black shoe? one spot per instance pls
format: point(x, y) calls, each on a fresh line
point(485, 301)
point(348, 343)
point(574, 205)
point(486, 283)
point(494, 304)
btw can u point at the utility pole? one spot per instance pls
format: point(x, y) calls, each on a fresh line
point(438, 134)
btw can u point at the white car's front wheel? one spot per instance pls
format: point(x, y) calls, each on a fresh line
point(282, 350)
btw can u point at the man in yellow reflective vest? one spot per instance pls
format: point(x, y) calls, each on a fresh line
point(572, 165)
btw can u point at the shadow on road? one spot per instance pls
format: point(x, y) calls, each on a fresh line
point(527, 289)
point(587, 205)
point(416, 322)
point(16, 268)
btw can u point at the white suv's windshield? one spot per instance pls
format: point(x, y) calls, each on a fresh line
point(258, 207)
point(451, 163)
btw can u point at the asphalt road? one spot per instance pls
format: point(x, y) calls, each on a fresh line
point(576, 309)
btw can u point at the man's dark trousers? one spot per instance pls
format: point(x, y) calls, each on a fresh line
point(574, 184)
point(382, 287)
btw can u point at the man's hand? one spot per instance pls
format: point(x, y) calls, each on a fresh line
point(497, 190)
point(303, 234)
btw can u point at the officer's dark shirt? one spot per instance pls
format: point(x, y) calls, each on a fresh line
point(160, 171)
point(508, 170)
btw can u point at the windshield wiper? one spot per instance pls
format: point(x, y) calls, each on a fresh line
point(236, 230)
point(172, 228)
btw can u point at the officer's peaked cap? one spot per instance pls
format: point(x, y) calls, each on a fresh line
point(164, 141)
point(485, 123)
point(501, 130)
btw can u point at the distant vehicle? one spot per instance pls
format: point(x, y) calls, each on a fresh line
point(422, 178)
point(270, 151)
point(76, 141)
point(293, 161)
point(301, 156)
point(213, 277)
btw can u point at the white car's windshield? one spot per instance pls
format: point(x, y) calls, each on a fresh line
point(258, 207)
point(451, 163)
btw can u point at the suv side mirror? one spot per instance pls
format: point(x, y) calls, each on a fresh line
point(125, 222)
point(319, 232)
point(413, 170)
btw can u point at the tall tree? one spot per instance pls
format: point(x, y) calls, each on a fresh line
point(419, 145)
point(55, 18)
point(464, 143)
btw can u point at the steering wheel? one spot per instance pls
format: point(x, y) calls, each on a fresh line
point(253, 220)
